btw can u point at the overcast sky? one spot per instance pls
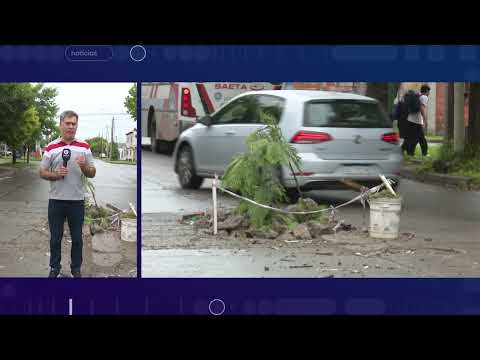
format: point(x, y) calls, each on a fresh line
point(96, 104)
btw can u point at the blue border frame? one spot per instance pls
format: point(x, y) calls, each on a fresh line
point(276, 63)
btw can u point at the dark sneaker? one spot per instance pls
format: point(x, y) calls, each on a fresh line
point(54, 273)
point(76, 274)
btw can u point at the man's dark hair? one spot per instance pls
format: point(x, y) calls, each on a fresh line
point(424, 89)
point(67, 114)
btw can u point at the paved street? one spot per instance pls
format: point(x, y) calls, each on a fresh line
point(446, 218)
point(24, 237)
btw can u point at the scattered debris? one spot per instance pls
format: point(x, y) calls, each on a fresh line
point(95, 229)
point(428, 239)
point(449, 250)
point(300, 266)
point(336, 227)
point(192, 216)
point(324, 253)
point(287, 236)
point(266, 268)
point(302, 232)
point(409, 236)
point(231, 223)
point(291, 241)
point(133, 209)
point(223, 233)
point(317, 229)
point(269, 234)
point(114, 208)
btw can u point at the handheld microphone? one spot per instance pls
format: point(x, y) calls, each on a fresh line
point(66, 154)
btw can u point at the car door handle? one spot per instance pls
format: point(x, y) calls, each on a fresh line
point(229, 132)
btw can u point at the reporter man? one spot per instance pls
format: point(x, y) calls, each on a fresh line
point(67, 191)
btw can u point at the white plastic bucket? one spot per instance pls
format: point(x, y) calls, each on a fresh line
point(385, 218)
point(129, 230)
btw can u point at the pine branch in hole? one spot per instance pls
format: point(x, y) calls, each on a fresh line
point(255, 174)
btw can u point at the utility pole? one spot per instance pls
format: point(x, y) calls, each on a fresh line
point(459, 116)
point(111, 139)
point(431, 123)
point(107, 152)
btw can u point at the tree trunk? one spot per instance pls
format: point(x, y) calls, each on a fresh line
point(459, 116)
point(28, 154)
point(378, 91)
point(474, 115)
point(449, 124)
point(14, 155)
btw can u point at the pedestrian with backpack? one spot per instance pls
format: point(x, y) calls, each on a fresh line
point(416, 105)
point(400, 113)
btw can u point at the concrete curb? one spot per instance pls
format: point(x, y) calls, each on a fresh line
point(450, 181)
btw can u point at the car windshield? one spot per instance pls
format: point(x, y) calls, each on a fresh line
point(345, 114)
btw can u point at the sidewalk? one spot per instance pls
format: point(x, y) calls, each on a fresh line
point(451, 181)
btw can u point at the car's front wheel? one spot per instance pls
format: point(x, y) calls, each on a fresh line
point(186, 170)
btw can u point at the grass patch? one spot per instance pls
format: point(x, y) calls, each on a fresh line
point(434, 138)
point(21, 163)
point(464, 163)
point(122, 162)
point(433, 151)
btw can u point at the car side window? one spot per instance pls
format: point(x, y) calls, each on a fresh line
point(234, 113)
point(268, 106)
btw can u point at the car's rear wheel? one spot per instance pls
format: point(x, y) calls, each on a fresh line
point(186, 170)
point(292, 195)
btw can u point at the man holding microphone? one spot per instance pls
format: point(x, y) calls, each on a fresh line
point(65, 162)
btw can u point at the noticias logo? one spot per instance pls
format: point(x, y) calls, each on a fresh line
point(84, 53)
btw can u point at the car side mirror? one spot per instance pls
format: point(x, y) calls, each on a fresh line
point(205, 120)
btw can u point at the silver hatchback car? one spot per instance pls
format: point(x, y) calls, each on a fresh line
point(338, 136)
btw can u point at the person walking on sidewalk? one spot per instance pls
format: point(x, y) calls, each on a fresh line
point(67, 191)
point(400, 114)
point(417, 120)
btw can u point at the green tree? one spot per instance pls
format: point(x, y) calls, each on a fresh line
point(131, 102)
point(47, 109)
point(379, 91)
point(19, 119)
point(98, 145)
point(115, 152)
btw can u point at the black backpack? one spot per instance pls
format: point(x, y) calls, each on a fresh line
point(412, 102)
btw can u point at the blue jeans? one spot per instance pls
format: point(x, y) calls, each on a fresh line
point(74, 212)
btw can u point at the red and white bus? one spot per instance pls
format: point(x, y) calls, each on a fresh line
point(170, 108)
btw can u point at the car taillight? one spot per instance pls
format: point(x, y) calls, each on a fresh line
point(309, 137)
point(187, 108)
point(391, 138)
